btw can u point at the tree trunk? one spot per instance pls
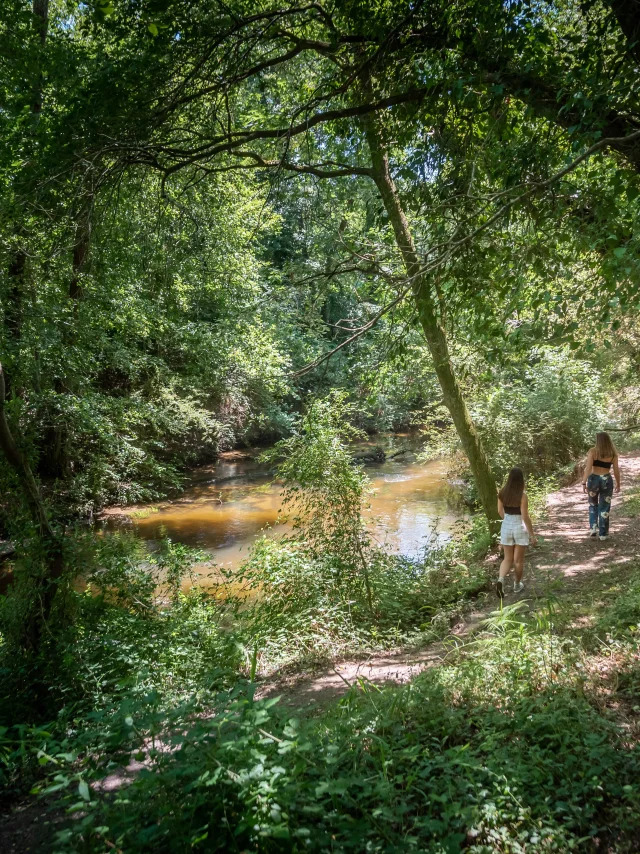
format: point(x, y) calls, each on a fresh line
point(54, 459)
point(51, 542)
point(628, 14)
point(433, 330)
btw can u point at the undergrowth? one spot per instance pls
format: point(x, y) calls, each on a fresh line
point(300, 613)
point(521, 740)
point(500, 748)
point(327, 589)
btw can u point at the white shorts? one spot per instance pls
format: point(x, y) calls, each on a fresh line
point(513, 531)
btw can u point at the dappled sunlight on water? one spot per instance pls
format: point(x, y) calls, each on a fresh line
point(229, 505)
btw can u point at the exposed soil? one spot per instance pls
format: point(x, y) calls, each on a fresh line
point(30, 827)
point(565, 563)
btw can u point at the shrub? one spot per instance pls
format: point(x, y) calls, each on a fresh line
point(130, 637)
point(324, 492)
point(473, 755)
point(541, 417)
point(299, 610)
point(545, 419)
point(326, 588)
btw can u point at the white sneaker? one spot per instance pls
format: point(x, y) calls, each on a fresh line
point(593, 532)
point(604, 537)
point(518, 587)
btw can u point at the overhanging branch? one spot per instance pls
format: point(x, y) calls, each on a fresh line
point(232, 142)
point(358, 333)
point(446, 249)
point(341, 170)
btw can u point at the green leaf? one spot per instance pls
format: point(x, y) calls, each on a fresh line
point(83, 790)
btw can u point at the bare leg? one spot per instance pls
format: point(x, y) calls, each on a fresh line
point(507, 561)
point(520, 552)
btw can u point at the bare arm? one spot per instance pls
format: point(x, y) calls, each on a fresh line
point(524, 510)
point(587, 469)
point(500, 509)
point(616, 473)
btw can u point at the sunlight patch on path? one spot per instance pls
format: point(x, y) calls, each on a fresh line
point(565, 559)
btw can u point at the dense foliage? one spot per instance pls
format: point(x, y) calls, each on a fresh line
point(506, 745)
point(259, 223)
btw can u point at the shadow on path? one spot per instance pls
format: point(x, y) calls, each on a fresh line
point(567, 563)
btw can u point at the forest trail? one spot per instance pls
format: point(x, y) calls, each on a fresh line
point(566, 563)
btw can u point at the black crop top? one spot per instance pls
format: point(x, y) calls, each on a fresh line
point(512, 511)
point(602, 465)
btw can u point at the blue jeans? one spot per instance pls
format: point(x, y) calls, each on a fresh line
point(600, 490)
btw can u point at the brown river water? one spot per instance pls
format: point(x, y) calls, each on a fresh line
point(226, 506)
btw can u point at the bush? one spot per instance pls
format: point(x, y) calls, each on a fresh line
point(475, 754)
point(545, 419)
point(293, 607)
point(327, 588)
point(131, 637)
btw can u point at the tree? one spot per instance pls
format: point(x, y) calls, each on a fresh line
point(428, 61)
point(318, 93)
point(237, 80)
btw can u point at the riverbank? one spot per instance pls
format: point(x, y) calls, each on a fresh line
point(570, 569)
point(517, 722)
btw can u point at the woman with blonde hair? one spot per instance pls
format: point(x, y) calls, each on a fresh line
point(516, 532)
point(598, 483)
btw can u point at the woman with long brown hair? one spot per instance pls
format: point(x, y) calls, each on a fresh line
point(598, 483)
point(516, 532)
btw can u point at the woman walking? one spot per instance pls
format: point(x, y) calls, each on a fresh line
point(598, 483)
point(517, 530)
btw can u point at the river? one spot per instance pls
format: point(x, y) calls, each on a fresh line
point(225, 507)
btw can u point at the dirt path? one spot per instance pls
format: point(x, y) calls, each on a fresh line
point(566, 561)
point(566, 551)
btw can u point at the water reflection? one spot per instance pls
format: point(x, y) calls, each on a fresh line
point(229, 505)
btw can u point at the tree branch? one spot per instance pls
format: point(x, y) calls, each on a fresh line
point(357, 333)
point(543, 100)
point(447, 248)
point(229, 143)
point(341, 171)
point(543, 185)
point(629, 429)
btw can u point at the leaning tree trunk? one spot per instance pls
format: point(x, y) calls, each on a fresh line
point(53, 557)
point(433, 330)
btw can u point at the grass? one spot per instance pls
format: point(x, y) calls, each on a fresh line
point(509, 745)
point(524, 739)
